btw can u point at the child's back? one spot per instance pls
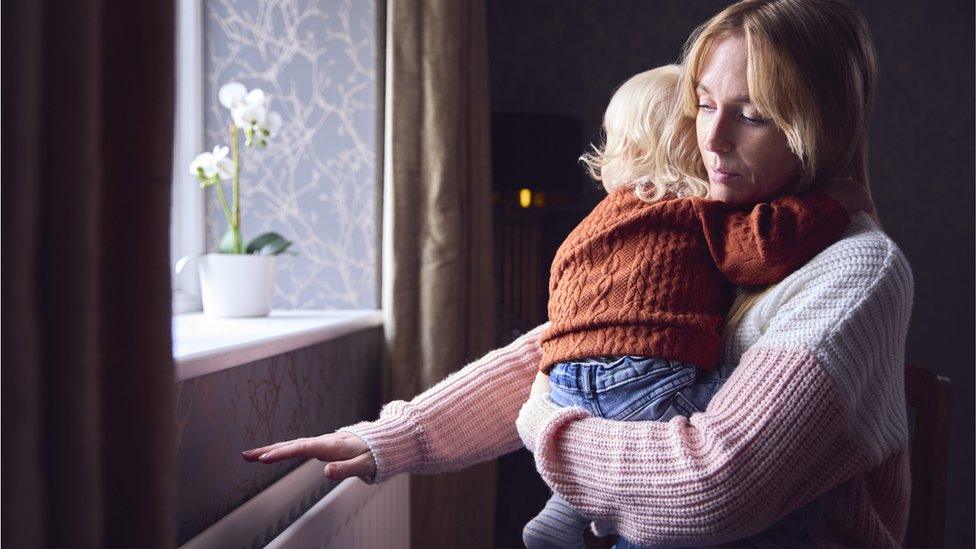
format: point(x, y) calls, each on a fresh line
point(656, 279)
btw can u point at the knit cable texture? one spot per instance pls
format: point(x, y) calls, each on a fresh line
point(655, 279)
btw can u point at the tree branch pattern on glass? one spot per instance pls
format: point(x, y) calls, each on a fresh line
point(315, 181)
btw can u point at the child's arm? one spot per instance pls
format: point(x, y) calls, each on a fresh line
point(764, 245)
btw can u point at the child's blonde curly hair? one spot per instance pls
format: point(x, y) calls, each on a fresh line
point(632, 153)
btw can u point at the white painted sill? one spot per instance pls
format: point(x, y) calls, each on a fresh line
point(203, 345)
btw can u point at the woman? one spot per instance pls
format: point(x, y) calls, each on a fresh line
point(777, 94)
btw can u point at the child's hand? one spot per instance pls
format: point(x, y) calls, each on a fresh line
point(851, 194)
point(348, 454)
point(540, 384)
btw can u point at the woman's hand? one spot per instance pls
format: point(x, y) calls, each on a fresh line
point(348, 454)
point(851, 194)
point(540, 384)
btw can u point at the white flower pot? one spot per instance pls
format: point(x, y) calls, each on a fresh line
point(235, 285)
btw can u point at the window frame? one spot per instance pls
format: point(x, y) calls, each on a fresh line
point(188, 221)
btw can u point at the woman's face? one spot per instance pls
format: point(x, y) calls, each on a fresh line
point(746, 155)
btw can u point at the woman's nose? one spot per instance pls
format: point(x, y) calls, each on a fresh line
point(718, 138)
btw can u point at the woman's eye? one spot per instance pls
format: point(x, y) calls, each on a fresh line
point(758, 121)
point(705, 106)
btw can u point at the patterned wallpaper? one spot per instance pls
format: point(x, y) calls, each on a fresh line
point(305, 392)
point(315, 182)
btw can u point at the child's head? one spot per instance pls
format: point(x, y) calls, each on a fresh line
point(635, 119)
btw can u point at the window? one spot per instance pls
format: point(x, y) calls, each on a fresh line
point(316, 182)
point(187, 221)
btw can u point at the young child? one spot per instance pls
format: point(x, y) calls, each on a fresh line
point(640, 289)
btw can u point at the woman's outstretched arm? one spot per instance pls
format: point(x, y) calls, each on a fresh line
point(466, 418)
point(815, 402)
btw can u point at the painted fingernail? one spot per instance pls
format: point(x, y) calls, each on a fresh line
point(264, 456)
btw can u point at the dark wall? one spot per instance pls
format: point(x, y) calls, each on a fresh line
point(566, 58)
point(922, 179)
point(315, 389)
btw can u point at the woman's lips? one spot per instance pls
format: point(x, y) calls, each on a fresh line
point(718, 176)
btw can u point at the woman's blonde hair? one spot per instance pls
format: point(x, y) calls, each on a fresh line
point(812, 70)
point(631, 153)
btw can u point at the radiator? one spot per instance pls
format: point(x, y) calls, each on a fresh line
point(292, 513)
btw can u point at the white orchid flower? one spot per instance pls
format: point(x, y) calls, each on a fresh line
point(222, 166)
point(212, 165)
point(251, 115)
point(261, 133)
point(248, 116)
point(250, 111)
point(273, 124)
point(203, 161)
point(255, 97)
point(231, 93)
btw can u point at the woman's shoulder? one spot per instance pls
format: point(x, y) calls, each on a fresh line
point(863, 256)
point(862, 277)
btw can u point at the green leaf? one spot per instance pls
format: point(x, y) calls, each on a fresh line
point(279, 247)
point(259, 241)
point(270, 243)
point(228, 243)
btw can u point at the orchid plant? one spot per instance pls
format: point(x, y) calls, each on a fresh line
point(250, 115)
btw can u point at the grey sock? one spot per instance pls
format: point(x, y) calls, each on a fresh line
point(557, 526)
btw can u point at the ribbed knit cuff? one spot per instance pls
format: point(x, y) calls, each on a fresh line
point(395, 439)
point(535, 413)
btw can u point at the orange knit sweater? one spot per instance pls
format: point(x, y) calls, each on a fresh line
point(656, 279)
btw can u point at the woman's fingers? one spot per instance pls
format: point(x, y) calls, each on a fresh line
point(348, 454)
point(362, 465)
point(252, 455)
point(330, 447)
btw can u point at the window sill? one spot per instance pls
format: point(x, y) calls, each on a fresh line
point(203, 345)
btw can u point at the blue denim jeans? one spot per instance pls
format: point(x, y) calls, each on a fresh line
point(633, 388)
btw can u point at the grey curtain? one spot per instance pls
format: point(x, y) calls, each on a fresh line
point(87, 368)
point(437, 258)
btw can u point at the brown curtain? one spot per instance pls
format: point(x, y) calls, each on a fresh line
point(87, 370)
point(437, 256)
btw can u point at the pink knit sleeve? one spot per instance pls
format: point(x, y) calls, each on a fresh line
point(466, 418)
point(817, 400)
point(769, 442)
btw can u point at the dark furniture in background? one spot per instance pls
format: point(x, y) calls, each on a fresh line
point(539, 153)
point(928, 396)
